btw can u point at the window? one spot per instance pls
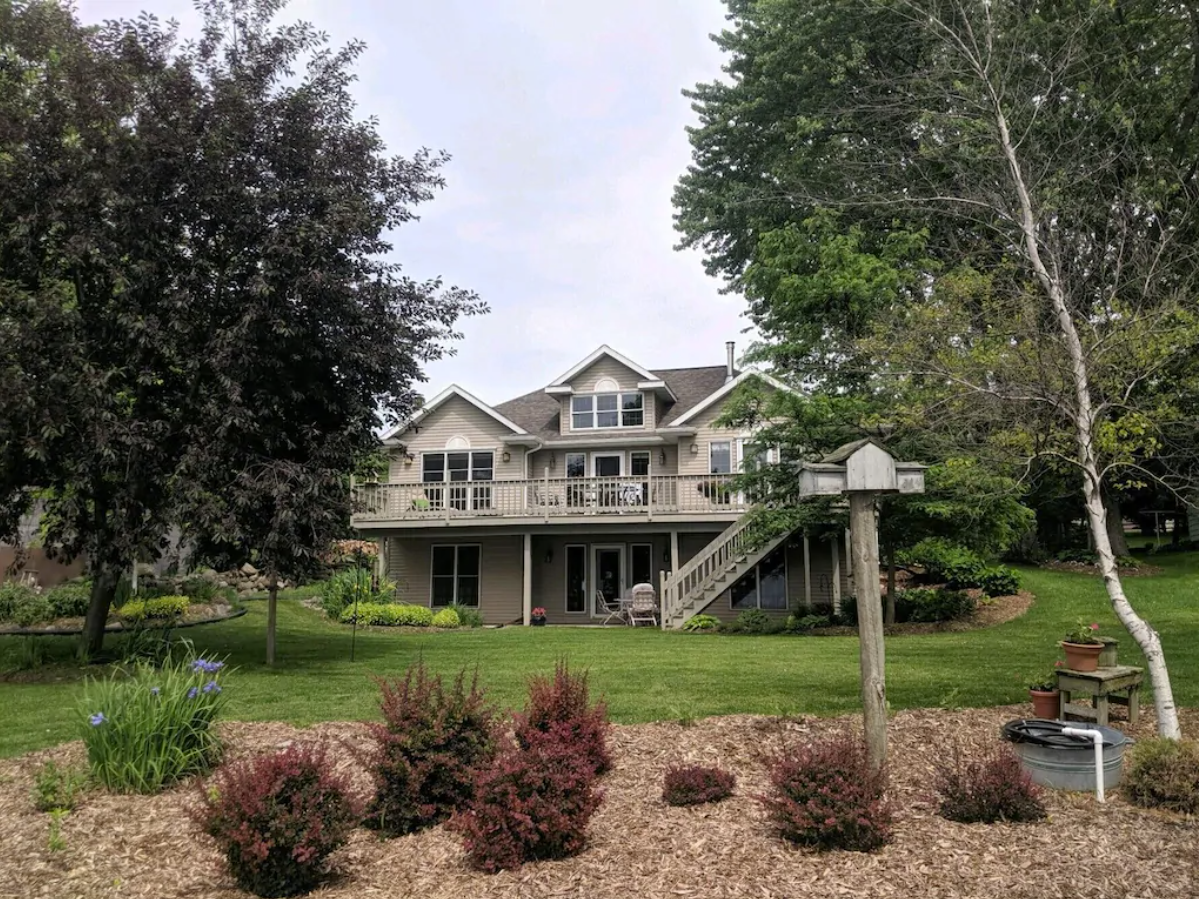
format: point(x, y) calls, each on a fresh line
point(642, 563)
point(456, 575)
point(576, 579)
point(457, 468)
point(764, 587)
point(639, 464)
point(720, 457)
point(607, 410)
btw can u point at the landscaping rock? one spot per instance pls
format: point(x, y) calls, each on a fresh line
point(249, 569)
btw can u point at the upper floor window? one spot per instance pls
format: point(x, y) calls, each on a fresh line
point(607, 410)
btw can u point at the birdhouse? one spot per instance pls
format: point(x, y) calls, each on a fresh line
point(860, 467)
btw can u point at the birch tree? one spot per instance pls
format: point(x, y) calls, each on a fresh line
point(988, 206)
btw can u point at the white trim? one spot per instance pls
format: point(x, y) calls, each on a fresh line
point(566, 577)
point(452, 391)
point(606, 385)
point(604, 350)
point(479, 577)
point(463, 443)
point(622, 569)
point(561, 390)
point(726, 390)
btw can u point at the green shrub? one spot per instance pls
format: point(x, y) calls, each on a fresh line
point(199, 589)
point(1076, 554)
point(389, 615)
point(929, 605)
point(70, 599)
point(945, 562)
point(446, 618)
point(1164, 774)
point(1000, 581)
point(160, 608)
point(798, 624)
point(753, 621)
point(344, 587)
point(56, 788)
point(12, 596)
point(468, 616)
point(32, 608)
point(702, 623)
point(146, 727)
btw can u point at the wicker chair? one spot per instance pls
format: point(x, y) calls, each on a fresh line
point(644, 607)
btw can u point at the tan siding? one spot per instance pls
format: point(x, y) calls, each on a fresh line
point(585, 381)
point(456, 418)
point(549, 578)
point(501, 578)
point(706, 432)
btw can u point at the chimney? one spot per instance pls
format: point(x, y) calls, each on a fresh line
point(729, 371)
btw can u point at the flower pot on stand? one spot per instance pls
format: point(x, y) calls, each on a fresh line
point(537, 617)
point(1045, 704)
point(1082, 656)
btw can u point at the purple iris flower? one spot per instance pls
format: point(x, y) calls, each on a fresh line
point(212, 687)
point(97, 719)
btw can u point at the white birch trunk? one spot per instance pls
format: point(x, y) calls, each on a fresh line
point(1083, 413)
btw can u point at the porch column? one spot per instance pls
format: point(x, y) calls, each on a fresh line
point(381, 560)
point(674, 552)
point(527, 604)
point(836, 547)
point(807, 573)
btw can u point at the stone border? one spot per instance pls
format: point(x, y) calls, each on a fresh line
point(116, 628)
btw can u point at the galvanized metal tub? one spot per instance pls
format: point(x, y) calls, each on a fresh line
point(1063, 762)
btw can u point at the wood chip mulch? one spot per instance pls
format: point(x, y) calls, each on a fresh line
point(988, 613)
point(132, 846)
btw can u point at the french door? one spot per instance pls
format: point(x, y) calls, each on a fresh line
point(607, 576)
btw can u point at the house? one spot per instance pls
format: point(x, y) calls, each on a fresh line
point(613, 474)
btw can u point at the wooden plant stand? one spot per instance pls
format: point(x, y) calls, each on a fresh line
point(1120, 685)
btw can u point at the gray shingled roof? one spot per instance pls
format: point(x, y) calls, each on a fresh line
point(537, 412)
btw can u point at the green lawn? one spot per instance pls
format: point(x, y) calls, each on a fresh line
point(645, 674)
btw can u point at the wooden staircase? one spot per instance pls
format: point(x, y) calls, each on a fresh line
point(714, 569)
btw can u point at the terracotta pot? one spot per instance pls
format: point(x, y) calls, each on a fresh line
point(1045, 704)
point(1082, 656)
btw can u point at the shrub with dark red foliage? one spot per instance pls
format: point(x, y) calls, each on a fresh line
point(989, 788)
point(825, 796)
point(696, 784)
point(430, 743)
point(277, 817)
point(530, 804)
point(561, 706)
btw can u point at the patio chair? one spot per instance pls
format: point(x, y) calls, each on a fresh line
point(644, 607)
point(613, 607)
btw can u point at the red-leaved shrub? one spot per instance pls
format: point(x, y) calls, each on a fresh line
point(430, 743)
point(560, 709)
point(277, 817)
point(696, 784)
point(530, 804)
point(992, 787)
point(824, 795)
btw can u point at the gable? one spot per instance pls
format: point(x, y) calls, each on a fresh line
point(455, 424)
point(605, 375)
point(604, 352)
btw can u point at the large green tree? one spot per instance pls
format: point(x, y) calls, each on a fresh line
point(202, 322)
point(985, 209)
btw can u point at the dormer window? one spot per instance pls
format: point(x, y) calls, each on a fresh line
point(607, 410)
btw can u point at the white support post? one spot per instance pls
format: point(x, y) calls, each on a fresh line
point(807, 573)
point(649, 495)
point(674, 552)
point(545, 496)
point(527, 603)
point(381, 560)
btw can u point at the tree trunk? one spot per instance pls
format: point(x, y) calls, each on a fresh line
point(864, 540)
point(104, 589)
point(1115, 524)
point(1084, 420)
point(271, 603)
point(889, 617)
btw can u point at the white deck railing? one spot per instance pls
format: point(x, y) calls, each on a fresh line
point(547, 498)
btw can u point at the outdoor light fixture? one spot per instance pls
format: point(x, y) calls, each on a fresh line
point(695, 449)
point(507, 456)
point(661, 457)
point(408, 459)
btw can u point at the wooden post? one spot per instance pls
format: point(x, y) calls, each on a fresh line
point(870, 626)
point(527, 603)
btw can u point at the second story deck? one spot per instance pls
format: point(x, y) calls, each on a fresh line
point(579, 500)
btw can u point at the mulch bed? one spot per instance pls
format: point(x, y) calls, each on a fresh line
point(988, 613)
point(1092, 568)
point(131, 846)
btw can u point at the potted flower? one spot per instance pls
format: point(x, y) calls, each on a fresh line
point(1083, 646)
point(538, 617)
point(1044, 695)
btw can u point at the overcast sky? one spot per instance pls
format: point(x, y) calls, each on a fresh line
point(566, 126)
